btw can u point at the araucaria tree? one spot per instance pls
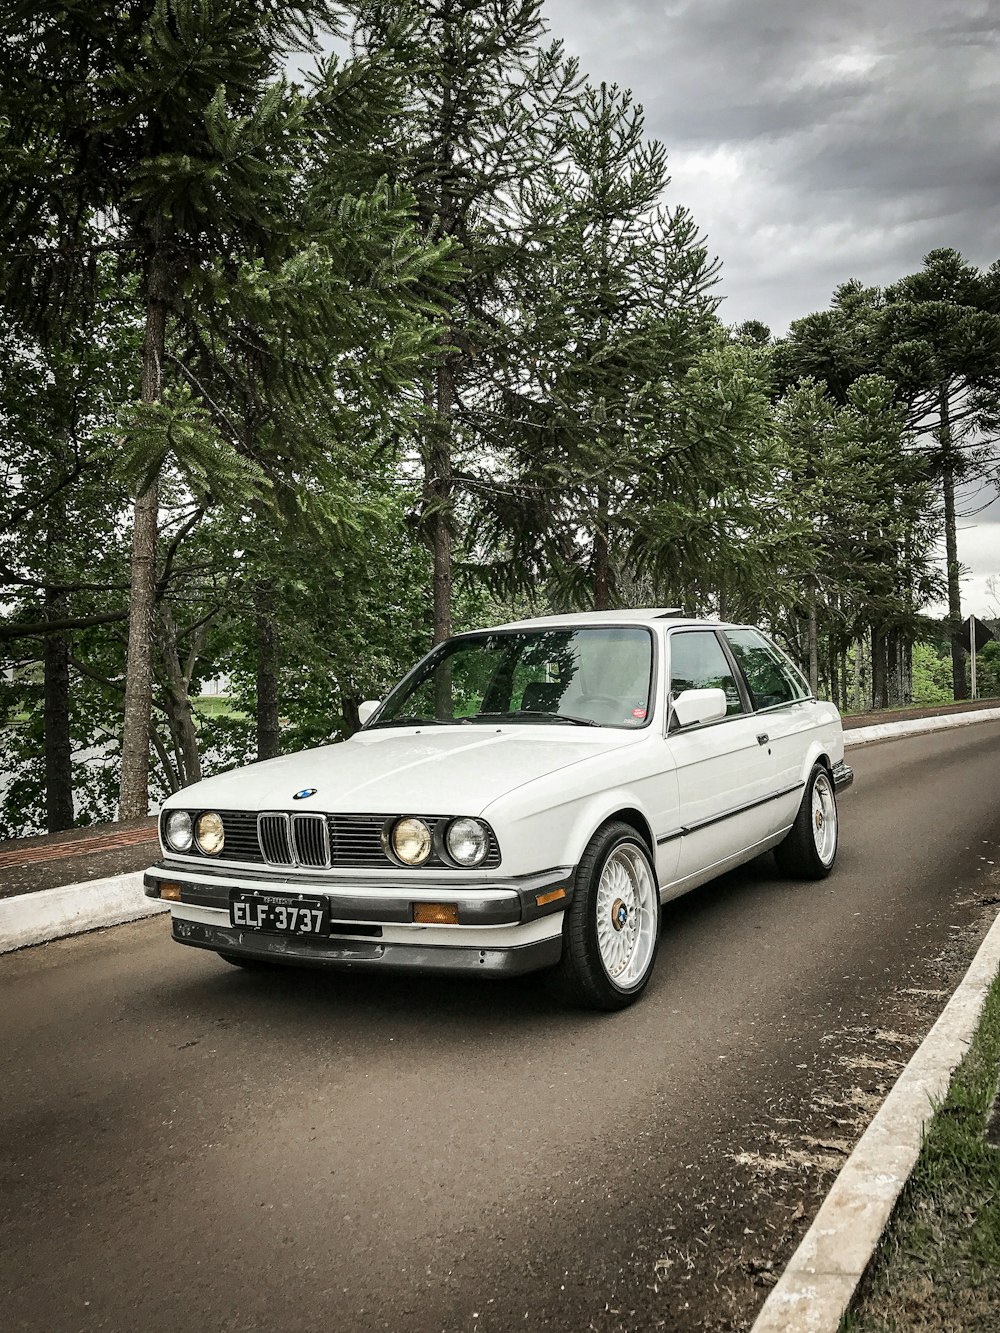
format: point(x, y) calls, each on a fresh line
point(483, 97)
point(609, 403)
point(159, 133)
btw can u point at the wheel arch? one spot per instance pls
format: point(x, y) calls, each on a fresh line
point(630, 815)
point(816, 754)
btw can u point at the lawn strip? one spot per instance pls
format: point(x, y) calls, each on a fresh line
point(938, 1266)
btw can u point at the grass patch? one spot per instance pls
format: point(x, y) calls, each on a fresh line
point(214, 706)
point(938, 1267)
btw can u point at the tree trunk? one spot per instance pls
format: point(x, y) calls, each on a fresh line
point(268, 725)
point(880, 694)
point(892, 679)
point(834, 674)
point(438, 498)
point(813, 635)
point(58, 752)
point(349, 706)
point(133, 802)
point(602, 570)
point(959, 687)
point(180, 714)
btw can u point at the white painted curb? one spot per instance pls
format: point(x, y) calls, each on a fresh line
point(816, 1287)
point(32, 918)
point(886, 731)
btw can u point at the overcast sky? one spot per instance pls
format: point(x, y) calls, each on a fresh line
point(816, 141)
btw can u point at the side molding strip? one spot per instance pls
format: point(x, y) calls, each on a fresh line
point(730, 814)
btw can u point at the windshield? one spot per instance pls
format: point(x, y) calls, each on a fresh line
point(599, 677)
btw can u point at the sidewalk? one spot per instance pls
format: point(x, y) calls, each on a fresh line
point(29, 865)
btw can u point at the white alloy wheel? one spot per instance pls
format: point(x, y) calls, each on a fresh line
point(626, 916)
point(824, 818)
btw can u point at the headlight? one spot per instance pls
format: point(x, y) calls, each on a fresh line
point(467, 841)
point(411, 841)
point(179, 832)
point(209, 833)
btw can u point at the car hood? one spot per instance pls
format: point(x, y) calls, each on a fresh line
point(454, 770)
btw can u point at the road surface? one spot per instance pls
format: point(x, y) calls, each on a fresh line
point(186, 1146)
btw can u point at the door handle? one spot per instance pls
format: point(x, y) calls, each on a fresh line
point(762, 738)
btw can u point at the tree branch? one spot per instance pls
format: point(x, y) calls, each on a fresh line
point(33, 630)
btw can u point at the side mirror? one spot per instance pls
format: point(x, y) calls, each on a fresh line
point(692, 706)
point(366, 709)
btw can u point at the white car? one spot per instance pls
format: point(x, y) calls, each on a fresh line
point(525, 798)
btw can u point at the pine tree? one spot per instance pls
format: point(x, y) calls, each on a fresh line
point(615, 354)
point(483, 94)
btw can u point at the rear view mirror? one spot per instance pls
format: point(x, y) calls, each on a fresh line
point(694, 706)
point(366, 709)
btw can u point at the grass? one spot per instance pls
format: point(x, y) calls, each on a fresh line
point(938, 1267)
point(209, 705)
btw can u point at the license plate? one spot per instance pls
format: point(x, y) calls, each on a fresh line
point(280, 913)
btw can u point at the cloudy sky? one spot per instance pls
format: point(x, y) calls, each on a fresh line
point(815, 141)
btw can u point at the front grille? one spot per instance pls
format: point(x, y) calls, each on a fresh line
point(274, 840)
point(316, 841)
point(311, 840)
point(357, 840)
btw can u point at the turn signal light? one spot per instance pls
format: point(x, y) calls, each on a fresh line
point(553, 895)
point(172, 892)
point(435, 914)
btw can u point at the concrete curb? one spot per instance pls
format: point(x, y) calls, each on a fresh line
point(33, 918)
point(885, 731)
point(815, 1289)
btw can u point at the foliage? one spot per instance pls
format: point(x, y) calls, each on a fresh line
point(433, 305)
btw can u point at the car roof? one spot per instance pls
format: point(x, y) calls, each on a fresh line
point(642, 616)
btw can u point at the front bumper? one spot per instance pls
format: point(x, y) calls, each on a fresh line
point(365, 955)
point(505, 926)
point(383, 900)
point(843, 776)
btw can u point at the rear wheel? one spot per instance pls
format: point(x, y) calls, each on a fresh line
point(810, 848)
point(611, 928)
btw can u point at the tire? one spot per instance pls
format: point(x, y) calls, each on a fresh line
point(611, 928)
point(809, 850)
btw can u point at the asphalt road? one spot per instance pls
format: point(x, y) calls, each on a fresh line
point(184, 1146)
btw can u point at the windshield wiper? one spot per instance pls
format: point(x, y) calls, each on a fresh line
point(530, 715)
point(408, 720)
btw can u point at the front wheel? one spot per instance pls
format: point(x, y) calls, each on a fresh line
point(612, 927)
point(810, 847)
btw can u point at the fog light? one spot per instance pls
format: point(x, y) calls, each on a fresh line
point(209, 833)
point(435, 914)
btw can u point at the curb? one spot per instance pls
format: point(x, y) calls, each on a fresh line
point(886, 731)
point(33, 918)
point(814, 1291)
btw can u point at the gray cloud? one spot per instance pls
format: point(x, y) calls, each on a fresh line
point(816, 141)
point(813, 141)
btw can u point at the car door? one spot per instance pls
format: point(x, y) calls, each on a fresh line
point(784, 711)
point(724, 774)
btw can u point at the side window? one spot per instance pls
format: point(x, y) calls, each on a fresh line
point(697, 662)
point(771, 676)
